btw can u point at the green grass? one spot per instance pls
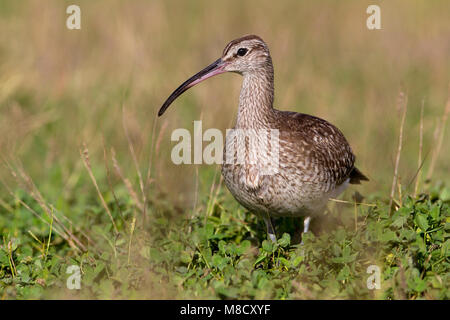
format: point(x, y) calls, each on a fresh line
point(224, 255)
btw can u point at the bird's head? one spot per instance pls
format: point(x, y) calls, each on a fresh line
point(245, 55)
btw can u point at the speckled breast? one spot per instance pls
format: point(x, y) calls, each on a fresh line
point(263, 180)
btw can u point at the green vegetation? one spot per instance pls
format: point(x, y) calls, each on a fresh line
point(86, 178)
point(222, 256)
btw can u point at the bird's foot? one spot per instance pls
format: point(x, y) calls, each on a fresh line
point(306, 224)
point(305, 228)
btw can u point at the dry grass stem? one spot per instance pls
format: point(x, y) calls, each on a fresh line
point(438, 139)
point(125, 180)
point(84, 153)
point(402, 105)
point(108, 177)
point(136, 164)
point(419, 160)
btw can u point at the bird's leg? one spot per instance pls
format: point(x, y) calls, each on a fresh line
point(305, 226)
point(270, 228)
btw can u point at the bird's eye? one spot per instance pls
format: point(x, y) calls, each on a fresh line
point(242, 51)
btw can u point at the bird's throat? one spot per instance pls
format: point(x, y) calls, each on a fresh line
point(256, 100)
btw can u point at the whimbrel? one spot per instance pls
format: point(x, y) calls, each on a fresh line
point(314, 160)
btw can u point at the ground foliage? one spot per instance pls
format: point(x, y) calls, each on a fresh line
point(224, 255)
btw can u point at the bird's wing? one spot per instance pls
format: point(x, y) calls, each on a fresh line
point(319, 146)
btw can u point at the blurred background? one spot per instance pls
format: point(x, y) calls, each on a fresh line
point(105, 82)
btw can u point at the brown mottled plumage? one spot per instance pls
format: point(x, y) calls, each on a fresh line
point(315, 160)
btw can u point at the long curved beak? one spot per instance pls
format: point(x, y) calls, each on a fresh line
point(213, 69)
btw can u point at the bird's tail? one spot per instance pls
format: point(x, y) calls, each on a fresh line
point(356, 176)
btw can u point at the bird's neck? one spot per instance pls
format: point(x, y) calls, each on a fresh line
point(256, 99)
